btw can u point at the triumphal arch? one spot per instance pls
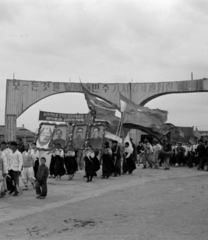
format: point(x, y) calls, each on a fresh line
point(22, 94)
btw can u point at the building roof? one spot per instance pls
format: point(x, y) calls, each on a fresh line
point(21, 132)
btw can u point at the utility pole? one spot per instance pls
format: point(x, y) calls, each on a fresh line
point(192, 76)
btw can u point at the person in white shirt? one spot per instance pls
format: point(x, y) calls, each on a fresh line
point(156, 148)
point(7, 151)
point(3, 173)
point(36, 153)
point(59, 169)
point(28, 163)
point(15, 169)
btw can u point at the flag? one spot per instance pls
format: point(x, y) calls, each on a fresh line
point(103, 111)
point(197, 134)
point(192, 140)
point(148, 120)
point(123, 104)
point(127, 139)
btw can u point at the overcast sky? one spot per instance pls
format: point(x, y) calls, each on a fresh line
point(106, 41)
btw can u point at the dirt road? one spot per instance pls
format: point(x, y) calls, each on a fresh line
point(150, 204)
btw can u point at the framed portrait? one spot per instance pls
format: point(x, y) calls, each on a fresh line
point(45, 135)
point(96, 136)
point(79, 135)
point(60, 135)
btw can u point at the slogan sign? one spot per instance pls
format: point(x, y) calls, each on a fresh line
point(62, 117)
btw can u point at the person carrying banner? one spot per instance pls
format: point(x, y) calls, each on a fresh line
point(89, 155)
point(70, 161)
point(59, 169)
point(53, 160)
point(116, 155)
point(129, 160)
point(107, 161)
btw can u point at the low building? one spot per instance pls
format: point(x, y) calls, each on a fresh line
point(25, 134)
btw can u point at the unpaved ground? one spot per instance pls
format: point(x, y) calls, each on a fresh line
point(150, 204)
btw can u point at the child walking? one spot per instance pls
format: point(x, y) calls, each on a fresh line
point(41, 179)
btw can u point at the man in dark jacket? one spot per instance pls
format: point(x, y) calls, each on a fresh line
point(200, 151)
point(41, 179)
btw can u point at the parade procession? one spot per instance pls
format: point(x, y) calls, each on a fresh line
point(99, 144)
point(103, 120)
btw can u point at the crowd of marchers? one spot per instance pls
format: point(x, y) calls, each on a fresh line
point(173, 154)
point(19, 161)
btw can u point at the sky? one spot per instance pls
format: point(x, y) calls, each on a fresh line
point(106, 41)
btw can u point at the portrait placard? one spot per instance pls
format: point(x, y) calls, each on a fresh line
point(96, 136)
point(60, 135)
point(79, 135)
point(45, 135)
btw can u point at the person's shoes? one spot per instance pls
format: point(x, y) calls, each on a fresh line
point(41, 197)
point(84, 176)
point(88, 181)
point(38, 196)
point(10, 192)
point(49, 176)
point(16, 194)
point(25, 188)
point(2, 194)
point(71, 177)
point(144, 167)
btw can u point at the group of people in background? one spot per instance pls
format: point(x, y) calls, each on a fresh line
point(18, 160)
point(173, 154)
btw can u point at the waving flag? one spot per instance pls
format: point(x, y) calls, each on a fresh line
point(148, 120)
point(103, 111)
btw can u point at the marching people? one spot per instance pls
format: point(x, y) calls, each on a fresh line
point(200, 151)
point(140, 150)
point(7, 151)
point(14, 169)
point(116, 155)
point(59, 169)
point(36, 153)
point(3, 173)
point(41, 179)
point(179, 154)
point(107, 161)
point(134, 154)
point(206, 154)
point(53, 160)
point(129, 164)
point(156, 148)
point(147, 158)
point(191, 154)
point(89, 155)
point(167, 153)
point(28, 163)
point(70, 161)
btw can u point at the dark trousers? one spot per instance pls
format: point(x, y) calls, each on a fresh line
point(13, 181)
point(35, 168)
point(41, 188)
point(89, 177)
point(117, 167)
point(201, 163)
